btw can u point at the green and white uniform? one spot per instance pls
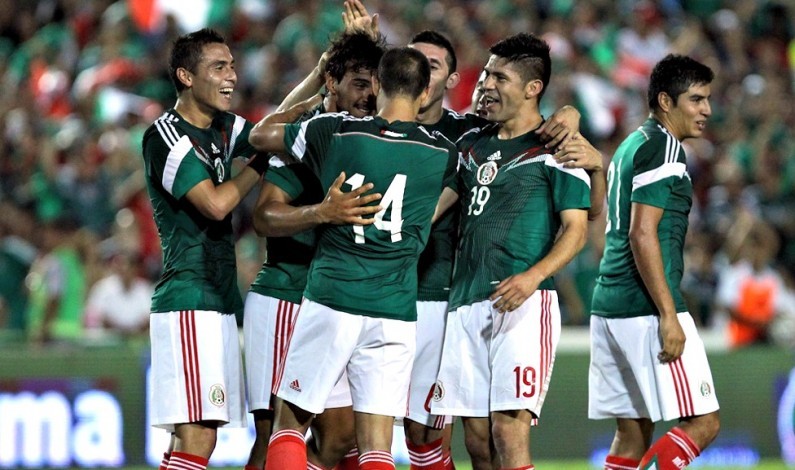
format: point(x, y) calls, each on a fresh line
point(511, 193)
point(650, 168)
point(196, 363)
point(435, 274)
point(361, 292)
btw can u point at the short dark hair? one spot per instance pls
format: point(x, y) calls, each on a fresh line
point(439, 40)
point(531, 53)
point(404, 71)
point(673, 75)
point(187, 50)
point(354, 51)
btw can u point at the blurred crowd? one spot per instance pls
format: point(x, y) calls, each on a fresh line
point(84, 78)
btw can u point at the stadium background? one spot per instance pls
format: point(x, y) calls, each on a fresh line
point(83, 78)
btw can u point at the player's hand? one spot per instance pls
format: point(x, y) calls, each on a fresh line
point(560, 127)
point(673, 338)
point(514, 290)
point(340, 207)
point(579, 153)
point(357, 19)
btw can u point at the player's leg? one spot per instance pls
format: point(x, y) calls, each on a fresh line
point(167, 454)
point(477, 439)
point(267, 323)
point(197, 353)
point(632, 438)
point(687, 392)
point(319, 349)
point(523, 355)
point(333, 436)
point(424, 431)
point(469, 397)
point(379, 373)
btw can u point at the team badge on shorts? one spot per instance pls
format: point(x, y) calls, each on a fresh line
point(438, 391)
point(706, 390)
point(487, 172)
point(217, 395)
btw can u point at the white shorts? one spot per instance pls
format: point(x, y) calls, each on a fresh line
point(376, 352)
point(431, 319)
point(267, 325)
point(496, 362)
point(626, 380)
point(196, 369)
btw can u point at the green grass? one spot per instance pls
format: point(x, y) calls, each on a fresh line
point(568, 465)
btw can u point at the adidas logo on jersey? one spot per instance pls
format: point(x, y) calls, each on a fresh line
point(494, 156)
point(295, 385)
point(215, 149)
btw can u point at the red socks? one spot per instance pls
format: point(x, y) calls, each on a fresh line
point(620, 463)
point(376, 460)
point(251, 467)
point(183, 461)
point(426, 456)
point(164, 462)
point(674, 451)
point(447, 458)
point(286, 451)
point(350, 461)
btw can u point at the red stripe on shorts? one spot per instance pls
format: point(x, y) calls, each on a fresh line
point(290, 312)
point(682, 383)
point(190, 364)
point(196, 371)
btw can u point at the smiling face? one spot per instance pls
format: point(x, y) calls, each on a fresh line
point(354, 93)
point(504, 90)
point(213, 80)
point(688, 117)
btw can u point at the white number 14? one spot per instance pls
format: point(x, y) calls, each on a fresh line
point(394, 198)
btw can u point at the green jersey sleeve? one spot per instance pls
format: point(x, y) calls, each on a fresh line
point(176, 167)
point(571, 187)
point(239, 138)
point(656, 167)
point(309, 141)
point(287, 177)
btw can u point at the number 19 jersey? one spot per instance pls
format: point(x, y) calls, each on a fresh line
point(372, 270)
point(649, 167)
point(511, 192)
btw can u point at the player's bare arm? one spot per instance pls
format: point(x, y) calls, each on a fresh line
point(275, 217)
point(446, 200)
point(561, 127)
point(645, 246)
point(216, 202)
point(514, 290)
point(580, 153)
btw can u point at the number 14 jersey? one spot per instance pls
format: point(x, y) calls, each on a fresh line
point(372, 270)
point(511, 192)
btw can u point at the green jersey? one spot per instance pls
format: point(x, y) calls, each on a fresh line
point(511, 193)
point(372, 270)
point(283, 275)
point(436, 261)
point(649, 167)
point(199, 270)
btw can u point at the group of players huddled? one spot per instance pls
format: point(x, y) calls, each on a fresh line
point(410, 254)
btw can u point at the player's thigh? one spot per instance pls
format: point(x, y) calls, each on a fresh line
point(320, 347)
point(523, 353)
point(379, 371)
point(196, 368)
point(463, 386)
point(267, 324)
point(431, 321)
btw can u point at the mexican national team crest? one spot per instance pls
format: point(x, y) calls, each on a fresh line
point(438, 391)
point(487, 172)
point(706, 390)
point(220, 172)
point(217, 395)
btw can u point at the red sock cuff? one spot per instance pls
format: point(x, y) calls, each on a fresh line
point(176, 457)
point(423, 448)
point(288, 435)
point(684, 441)
point(620, 463)
point(376, 460)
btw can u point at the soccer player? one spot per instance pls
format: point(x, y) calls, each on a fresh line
point(290, 205)
point(188, 152)
point(523, 217)
point(647, 360)
point(359, 307)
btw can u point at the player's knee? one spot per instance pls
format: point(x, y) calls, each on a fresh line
point(710, 425)
point(477, 446)
point(506, 436)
